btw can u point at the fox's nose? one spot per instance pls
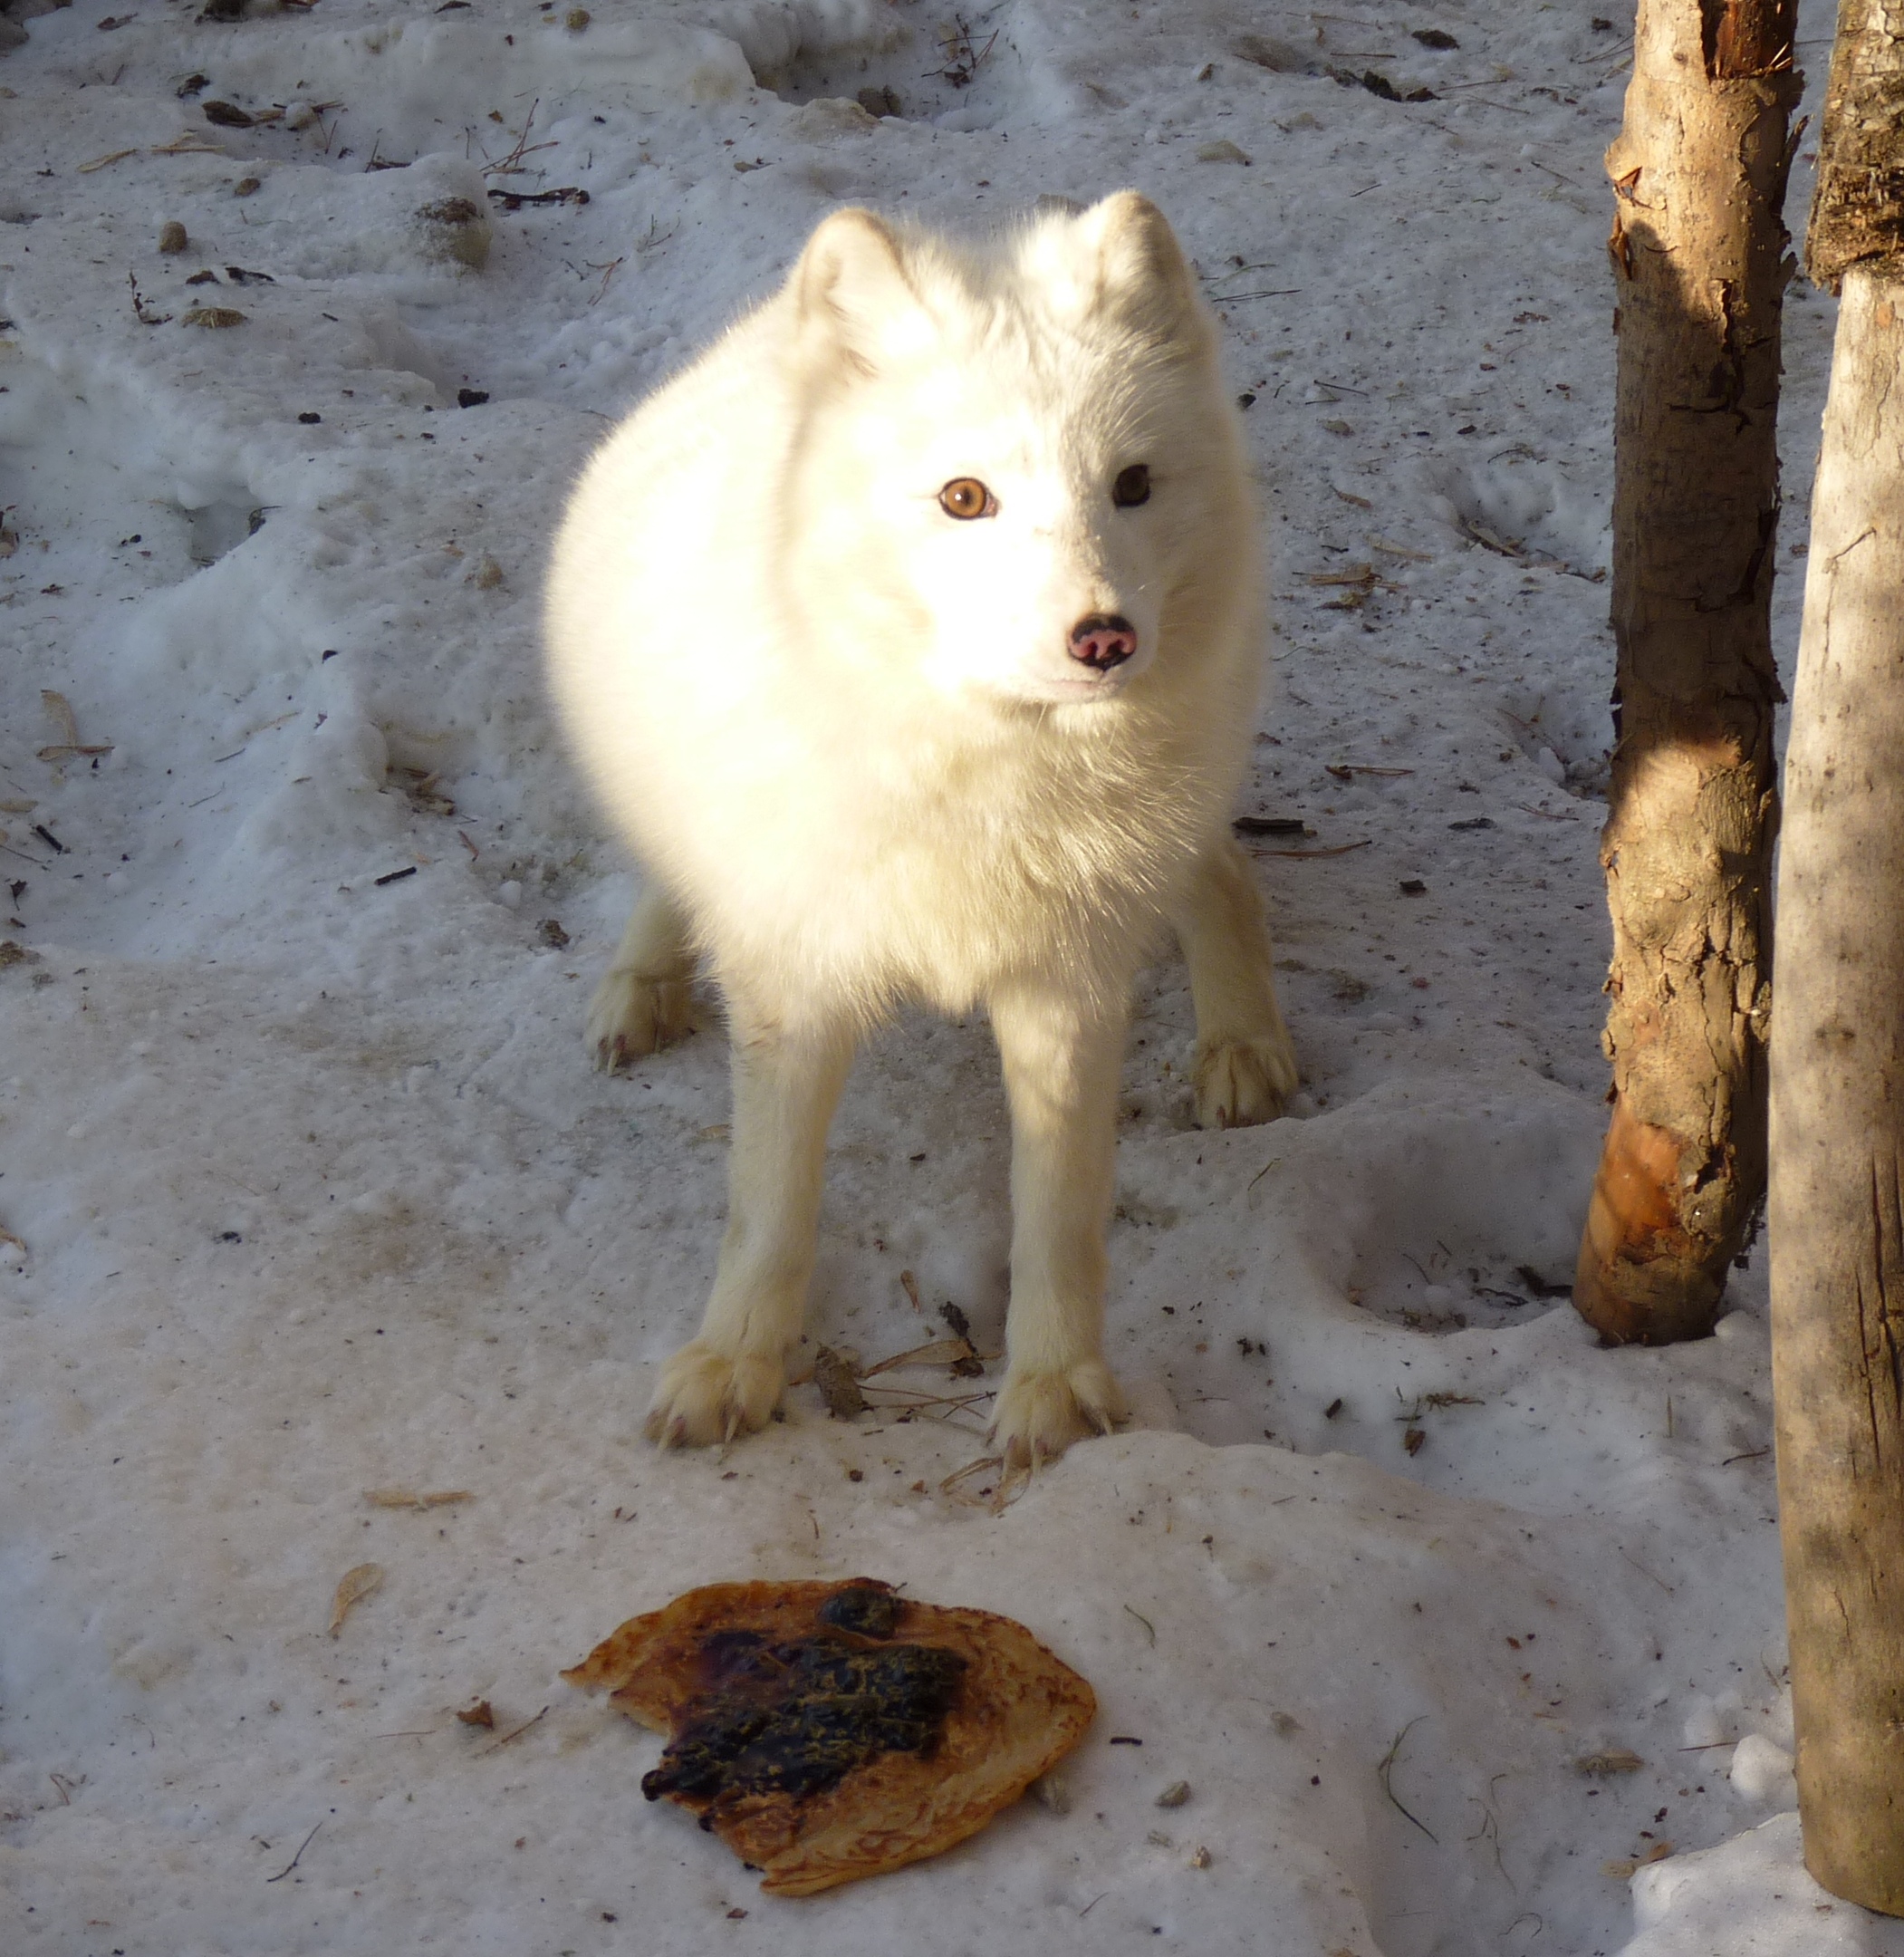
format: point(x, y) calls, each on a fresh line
point(1102, 643)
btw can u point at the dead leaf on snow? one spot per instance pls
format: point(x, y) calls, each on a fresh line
point(1491, 539)
point(1611, 1760)
point(351, 1590)
point(59, 711)
point(837, 1385)
point(938, 1351)
point(1625, 1868)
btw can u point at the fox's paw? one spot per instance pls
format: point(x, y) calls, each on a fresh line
point(1039, 1414)
point(704, 1397)
point(1240, 1083)
point(630, 1016)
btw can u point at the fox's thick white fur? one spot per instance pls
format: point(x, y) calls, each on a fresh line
point(849, 737)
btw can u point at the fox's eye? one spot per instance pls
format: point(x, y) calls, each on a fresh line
point(1132, 487)
point(965, 497)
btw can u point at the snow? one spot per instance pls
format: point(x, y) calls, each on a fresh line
point(315, 1194)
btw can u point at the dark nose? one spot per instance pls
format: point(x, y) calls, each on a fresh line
point(1102, 643)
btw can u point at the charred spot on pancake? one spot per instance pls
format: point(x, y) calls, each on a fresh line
point(795, 1717)
point(869, 1609)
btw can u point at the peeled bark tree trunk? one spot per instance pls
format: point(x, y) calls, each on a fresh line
point(1837, 1208)
point(1698, 250)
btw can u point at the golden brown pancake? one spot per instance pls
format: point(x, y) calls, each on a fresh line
point(831, 1730)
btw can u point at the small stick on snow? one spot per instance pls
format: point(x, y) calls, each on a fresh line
point(1648, 1575)
point(511, 164)
point(1339, 849)
point(515, 1734)
point(403, 1497)
point(298, 1858)
point(1386, 1769)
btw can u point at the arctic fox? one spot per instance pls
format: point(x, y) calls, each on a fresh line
point(911, 637)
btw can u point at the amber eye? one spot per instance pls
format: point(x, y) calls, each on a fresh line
point(965, 498)
point(1132, 487)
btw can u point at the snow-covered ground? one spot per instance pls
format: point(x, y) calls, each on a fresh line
point(309, 1192)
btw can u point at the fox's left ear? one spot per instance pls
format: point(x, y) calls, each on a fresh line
point(851, 289)
point(1142, 274)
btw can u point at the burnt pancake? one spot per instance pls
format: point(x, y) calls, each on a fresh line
point(831, 1730)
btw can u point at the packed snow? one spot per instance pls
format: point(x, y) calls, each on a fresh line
point(1465, 1634)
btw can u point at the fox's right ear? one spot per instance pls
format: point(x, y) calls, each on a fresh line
point(852, 290)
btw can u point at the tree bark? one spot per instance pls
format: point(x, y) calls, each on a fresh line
point(1698, 250)
point(1837, 1199)
point(1858, 206)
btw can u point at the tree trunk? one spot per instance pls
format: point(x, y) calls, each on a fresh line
point(1698, 250)
point(1837, 1209)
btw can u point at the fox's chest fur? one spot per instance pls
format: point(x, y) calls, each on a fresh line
point(946, 865)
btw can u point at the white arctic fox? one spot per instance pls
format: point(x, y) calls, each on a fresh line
point(912, 639)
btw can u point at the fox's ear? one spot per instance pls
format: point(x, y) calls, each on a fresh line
point(851, 289)
point(1141, 273)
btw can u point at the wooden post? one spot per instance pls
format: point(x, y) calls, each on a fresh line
point(1699, 267)
point(1837, 1201)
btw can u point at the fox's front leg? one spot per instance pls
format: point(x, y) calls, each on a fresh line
point(728, 1380)
point(1245, 1066)
point(1062, 1058)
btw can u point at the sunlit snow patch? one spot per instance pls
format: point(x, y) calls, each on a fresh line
point(84, 470)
